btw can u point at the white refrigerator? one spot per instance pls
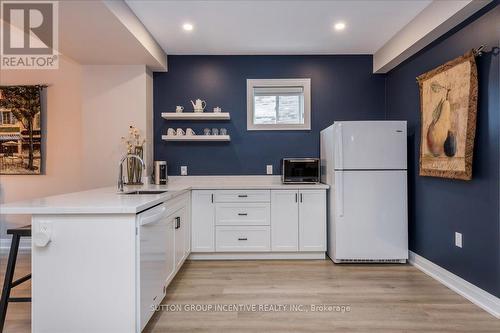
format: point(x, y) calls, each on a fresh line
point(364, 162)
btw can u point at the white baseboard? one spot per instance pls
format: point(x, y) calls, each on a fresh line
point(256, 255)
point(24, 243)
point(476, 295)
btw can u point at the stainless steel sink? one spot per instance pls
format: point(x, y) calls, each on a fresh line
point(145, 192)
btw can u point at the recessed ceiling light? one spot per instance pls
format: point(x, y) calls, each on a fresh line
point(187, 26)
point(339, 26)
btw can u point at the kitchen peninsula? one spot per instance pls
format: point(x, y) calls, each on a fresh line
point(112, 255)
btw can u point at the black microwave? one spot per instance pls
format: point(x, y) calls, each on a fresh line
point(300, 170)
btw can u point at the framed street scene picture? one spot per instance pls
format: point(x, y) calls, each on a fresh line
point(20, 130)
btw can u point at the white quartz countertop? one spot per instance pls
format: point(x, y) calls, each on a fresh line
point(106, 200)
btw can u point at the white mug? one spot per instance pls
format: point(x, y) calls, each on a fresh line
point(179, 108)
point(217, 109)
point(190, 131)
point(180, 131)
point(170, 131)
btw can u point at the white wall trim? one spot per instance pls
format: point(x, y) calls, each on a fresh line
point(256, 255)
point(24, 243)
point(435, 20)
point(476, 295)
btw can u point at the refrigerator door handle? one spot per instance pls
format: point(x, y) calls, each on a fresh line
point(340, 143)
point(339, 193)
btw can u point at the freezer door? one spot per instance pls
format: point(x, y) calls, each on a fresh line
point(370, 145)
point(370, 215)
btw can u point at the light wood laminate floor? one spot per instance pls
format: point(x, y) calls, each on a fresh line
point(382, 298)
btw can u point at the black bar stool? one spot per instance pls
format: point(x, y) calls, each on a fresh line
point(8, 284)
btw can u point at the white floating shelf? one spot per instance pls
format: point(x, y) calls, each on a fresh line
point(196, 115)
point(196, 137)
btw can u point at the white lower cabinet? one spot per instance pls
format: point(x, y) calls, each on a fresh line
point(312, 220)
point(187, 227)
point(170, 241)
point(180, 230)
point(288, 220)
point(202, 221)
point(298, 220)
point(284, 220)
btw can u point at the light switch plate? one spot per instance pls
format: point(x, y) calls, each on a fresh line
point(458, 239)
point(184, 170)
point(269, 169)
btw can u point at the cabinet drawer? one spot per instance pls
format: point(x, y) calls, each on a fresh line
point(242, 213)
point(242, 239)
point(243, 196)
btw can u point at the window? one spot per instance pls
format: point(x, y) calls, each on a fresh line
point(7, 118)
point(279, 104)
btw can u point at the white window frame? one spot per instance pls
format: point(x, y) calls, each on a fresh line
point(304, 83)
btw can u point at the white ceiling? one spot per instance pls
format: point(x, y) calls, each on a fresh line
point(107, 41)
point(275, 27)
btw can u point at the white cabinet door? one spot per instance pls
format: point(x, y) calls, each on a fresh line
point(187, 227)
point(312, 220)
point(170, 242)
point(284, 220)
point(202, 221)
point(180, 236)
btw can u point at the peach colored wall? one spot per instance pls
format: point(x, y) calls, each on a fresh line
point(114, 97)
point(89, 109)
point(63, 139)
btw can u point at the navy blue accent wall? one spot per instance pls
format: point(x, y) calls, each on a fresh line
point(439, 207)
point(343, 88)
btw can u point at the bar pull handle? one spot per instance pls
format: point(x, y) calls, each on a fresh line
point(340, 143)
point(300, 197)
point(242, 196)
point(242, 238)
point(339, 193)
point(242, 214)
point(296, 197)
point(177, 222)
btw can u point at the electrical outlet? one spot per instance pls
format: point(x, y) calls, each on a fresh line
point(269, 169)
point(184, 170)
point(458, 239)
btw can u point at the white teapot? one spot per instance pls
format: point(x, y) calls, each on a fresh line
point(199, 105)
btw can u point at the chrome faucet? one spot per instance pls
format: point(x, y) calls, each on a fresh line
point(120, 171)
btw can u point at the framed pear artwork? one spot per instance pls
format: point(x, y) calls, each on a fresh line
point(448, 107)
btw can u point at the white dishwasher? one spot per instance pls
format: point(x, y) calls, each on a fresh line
point(155, 233)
